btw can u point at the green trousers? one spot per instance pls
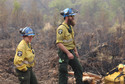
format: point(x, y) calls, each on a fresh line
point(74, 63)
point(27, 77)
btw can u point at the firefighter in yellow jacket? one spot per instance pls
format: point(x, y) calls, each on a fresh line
point(24, 58)
point(68, 54)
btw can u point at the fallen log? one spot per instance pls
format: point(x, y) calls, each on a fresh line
point(89, 77)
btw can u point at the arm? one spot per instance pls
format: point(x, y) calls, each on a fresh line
point(76, 52)
point(63, 48)
point(19, 59)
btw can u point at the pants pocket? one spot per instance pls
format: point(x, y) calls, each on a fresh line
point(62, 55)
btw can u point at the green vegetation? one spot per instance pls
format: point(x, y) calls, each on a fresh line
point(16, 6)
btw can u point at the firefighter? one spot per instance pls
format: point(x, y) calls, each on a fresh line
point(68, 54)
point(24, 58)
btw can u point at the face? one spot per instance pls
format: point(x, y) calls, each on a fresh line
point(71, 20)
point(28, 39)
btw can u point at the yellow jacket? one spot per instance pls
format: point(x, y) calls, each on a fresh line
point(24, 56)
point(116, 75)
point(64, 37)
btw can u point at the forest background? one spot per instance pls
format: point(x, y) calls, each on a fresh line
point(99, 35)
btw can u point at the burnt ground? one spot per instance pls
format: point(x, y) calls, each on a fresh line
point(46, 68)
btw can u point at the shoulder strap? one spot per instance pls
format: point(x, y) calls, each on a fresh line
point(69, 30)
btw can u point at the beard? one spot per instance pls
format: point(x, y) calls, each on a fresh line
point(71, 22)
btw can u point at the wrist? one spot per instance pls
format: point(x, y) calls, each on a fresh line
point(67, 52)
point(75, 52)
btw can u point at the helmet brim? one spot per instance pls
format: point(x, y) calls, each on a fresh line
point(72, 14)
point(28, 34)
point(69, 15)
point(31, 34)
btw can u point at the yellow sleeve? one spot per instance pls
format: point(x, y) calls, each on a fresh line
point(19, 58)
point(60, 35)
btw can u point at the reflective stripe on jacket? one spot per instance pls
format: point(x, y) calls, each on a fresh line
point(65, 37)
point(24, 56)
